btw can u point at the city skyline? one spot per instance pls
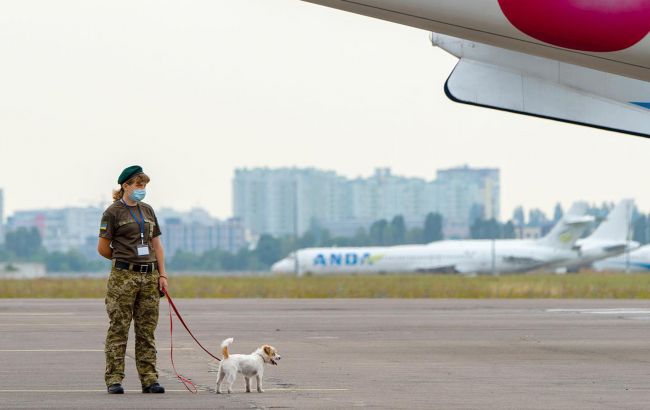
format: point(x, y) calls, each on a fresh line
point(283, 201)
point(208, 96)
point(277, 208)
point(196, 232)
point(505, 215)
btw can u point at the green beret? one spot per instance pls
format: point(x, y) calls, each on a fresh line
point(128, 173)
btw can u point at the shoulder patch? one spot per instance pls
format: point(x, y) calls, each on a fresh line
point(103, 225)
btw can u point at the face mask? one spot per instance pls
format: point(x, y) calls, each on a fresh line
point(138, 195)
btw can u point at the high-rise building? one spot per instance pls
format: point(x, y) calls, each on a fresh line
point(77, 228)
point(2, 216)
point(61, 229)
point(466, 194)
point(196, 232)
point(286, 201)
point(384, 195)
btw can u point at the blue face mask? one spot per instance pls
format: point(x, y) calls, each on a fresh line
point(138, 195)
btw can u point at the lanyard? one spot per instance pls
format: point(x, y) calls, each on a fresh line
point(140, 223)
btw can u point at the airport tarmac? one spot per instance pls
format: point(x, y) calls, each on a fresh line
point(443, 354)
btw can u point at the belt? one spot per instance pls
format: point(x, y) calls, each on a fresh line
point(136, 267)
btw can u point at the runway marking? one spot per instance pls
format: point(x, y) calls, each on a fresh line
point(37, 314)
point(53, 324)
point(323, 337)
point(619, 311)
point(139, 391)
point(77, 350)
point(288, 389)
point(73, 391)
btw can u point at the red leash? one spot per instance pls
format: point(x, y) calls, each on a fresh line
point(183, 379)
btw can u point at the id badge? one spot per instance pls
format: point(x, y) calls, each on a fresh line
point(143, 250)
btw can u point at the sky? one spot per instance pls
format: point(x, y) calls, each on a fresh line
point(192, 90)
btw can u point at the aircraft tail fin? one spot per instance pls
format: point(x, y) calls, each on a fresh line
point(569, 229)
point(616, 227)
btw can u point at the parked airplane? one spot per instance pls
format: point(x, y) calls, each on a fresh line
point(584, 62)
point(611, 238)
point(636, 261)
point(457, 256)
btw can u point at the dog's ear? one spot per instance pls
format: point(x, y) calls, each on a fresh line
point(267, 350)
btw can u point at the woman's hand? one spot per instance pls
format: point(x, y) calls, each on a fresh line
point(162, 283)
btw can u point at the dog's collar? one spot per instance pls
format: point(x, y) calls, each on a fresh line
point(273, 362)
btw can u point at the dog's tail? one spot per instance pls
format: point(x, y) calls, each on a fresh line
point(224, 347)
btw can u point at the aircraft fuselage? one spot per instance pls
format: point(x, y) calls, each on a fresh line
point(605, 35)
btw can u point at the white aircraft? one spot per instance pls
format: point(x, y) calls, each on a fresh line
point(611, 238)
point(578, 61)
point(457, 256)
point(635, 261)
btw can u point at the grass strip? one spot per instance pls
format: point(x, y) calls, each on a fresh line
point(583, 285)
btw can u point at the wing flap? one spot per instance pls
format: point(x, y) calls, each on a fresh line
point(519, 90)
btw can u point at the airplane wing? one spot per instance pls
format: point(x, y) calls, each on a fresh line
point(511, 81)
point(528, 261)
point(519, 62)
point(438, 269)
point(615, 248)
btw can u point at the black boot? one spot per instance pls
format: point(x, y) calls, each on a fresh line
point(115, 389)
point(153, 388)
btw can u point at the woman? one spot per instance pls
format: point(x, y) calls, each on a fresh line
point(129, 235)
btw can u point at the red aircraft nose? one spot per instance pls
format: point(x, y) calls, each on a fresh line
point(586, 25)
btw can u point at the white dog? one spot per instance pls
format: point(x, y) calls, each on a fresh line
point(247, 364)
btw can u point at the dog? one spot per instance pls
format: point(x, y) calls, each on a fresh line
point(248, 365)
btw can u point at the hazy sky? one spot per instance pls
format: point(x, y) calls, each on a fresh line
point(193, 89)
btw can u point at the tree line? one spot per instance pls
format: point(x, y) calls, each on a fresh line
point(383, 232)
point(271, 249)
point(26, 245)
point(641, 229)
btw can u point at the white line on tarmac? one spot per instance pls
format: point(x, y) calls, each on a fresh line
point(323, 337)
point(138, 391)
point(73, 391)
point(603, 311)
point(53, 324)
point(36, 314)
point(289, 389)
point(78, 350)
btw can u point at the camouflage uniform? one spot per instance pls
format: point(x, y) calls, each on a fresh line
point(130, 295)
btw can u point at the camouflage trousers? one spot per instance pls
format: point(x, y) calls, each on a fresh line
point(131, 295)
